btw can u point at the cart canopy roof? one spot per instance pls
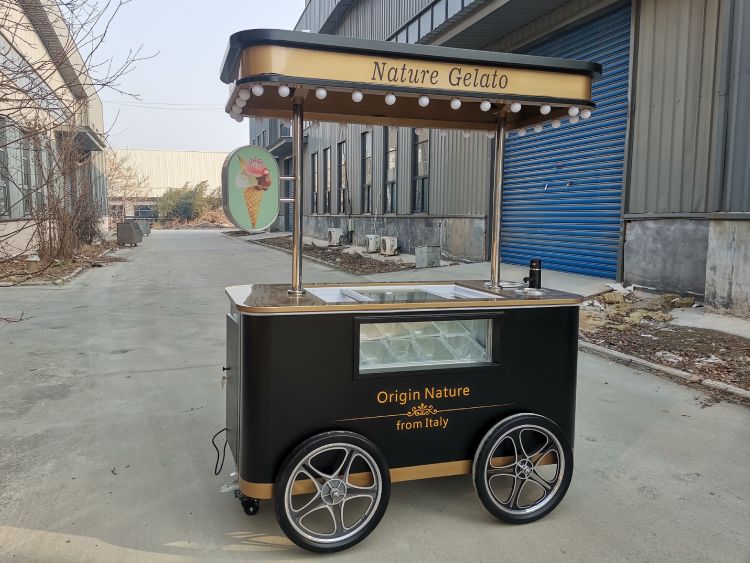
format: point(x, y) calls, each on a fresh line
point(387, 83)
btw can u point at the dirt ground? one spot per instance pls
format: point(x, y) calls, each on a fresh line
point(339, 257)
point(91, 256)
point(638, 325)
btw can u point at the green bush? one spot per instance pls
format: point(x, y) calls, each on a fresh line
point(185, 203)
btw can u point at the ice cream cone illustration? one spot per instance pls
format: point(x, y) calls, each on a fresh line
point(253, 197)
point(254, 180)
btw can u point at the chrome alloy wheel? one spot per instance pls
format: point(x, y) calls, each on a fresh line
point(324, 511)
point(528, 486)
point(522, 468)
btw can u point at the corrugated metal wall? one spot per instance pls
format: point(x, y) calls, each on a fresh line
point(562, 190)
point(315, 14)
point(673, 120)
point(459, 174)
point(736, 197)
point(460, 168)
point(171, 169)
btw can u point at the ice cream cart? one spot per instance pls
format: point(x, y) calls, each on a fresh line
point(333, 392)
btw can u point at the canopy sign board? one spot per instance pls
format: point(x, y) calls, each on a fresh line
point(386, 83)
point(250, 188)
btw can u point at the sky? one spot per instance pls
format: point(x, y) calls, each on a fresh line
point(181, 99)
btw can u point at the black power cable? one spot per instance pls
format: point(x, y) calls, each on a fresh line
point(219, 456)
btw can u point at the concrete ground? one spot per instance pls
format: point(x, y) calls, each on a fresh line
point(110, 394)
point(698, 318)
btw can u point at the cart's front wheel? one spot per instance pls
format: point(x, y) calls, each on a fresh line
point(522, 468)
point(332, 491)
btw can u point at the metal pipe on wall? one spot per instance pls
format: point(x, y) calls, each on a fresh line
point(297, 145)
point(497, 204)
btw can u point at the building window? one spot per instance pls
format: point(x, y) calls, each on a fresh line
point(26, 192)
point(341, 179)
point(4, 172)
point(412, 32)
point(39, 179)
point(438, 13)
point(145, 211)
point(454, 6)
point(421, 167)
point(425, 23)
point(264, 137)
point(367, 172)
point(284, 131)
point(390, 158)
point(314, 183)
point(327, 180)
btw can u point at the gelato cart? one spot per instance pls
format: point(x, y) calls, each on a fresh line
point(333, 391)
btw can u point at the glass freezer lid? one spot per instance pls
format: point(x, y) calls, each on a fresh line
point(399, 295)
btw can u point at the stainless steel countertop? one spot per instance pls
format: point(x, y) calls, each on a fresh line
point(269, 299)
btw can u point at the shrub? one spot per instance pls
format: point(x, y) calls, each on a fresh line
point(185, 203)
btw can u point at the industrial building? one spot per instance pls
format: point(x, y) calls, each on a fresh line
point(148, 173)
point(653, 189)
point(45, 85)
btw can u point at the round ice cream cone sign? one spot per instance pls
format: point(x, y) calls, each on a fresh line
point(250, 188)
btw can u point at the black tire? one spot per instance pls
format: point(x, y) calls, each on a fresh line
point(331, 457)
point(251, 506)
point(515, 487)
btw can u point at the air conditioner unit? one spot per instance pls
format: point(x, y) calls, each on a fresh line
point(334, 237)
point(373, 243)
point(388, 246)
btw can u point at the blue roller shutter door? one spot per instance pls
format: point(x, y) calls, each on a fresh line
point(562, 190)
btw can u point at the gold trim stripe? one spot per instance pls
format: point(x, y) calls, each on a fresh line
point(437, 412)
point(264, 491)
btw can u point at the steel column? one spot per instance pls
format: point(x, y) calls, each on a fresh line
point(297, 145)
point(497, 204)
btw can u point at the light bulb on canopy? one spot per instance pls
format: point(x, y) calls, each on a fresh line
point(284, 90)
point(357, 96)
point(257, 89)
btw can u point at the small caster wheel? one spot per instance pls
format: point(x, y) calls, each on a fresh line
point(251, 506)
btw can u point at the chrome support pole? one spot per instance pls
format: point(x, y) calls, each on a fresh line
point(297, 145)
point(497, 204)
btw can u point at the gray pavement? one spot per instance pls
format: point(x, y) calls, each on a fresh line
point(110, 394)
point(698, 318)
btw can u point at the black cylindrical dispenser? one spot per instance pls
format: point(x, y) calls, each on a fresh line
point(535, 274)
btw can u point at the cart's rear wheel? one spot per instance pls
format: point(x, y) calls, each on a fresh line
point(332, 491)
point(522, 468)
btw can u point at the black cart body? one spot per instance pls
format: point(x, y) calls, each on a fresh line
point(299, 375)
